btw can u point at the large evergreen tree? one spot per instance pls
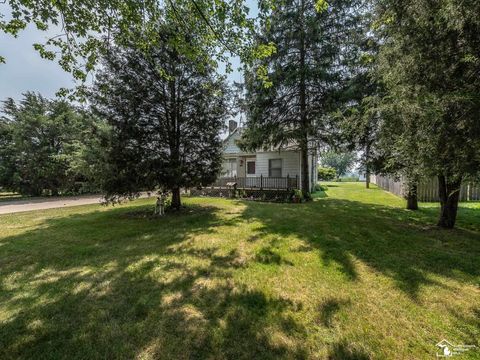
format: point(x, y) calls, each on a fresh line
point(430, 65)
point(40, 141)
point(166, 111)
point(358, 116)
point(298, 81)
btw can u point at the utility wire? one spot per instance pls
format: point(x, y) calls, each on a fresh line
point(219, 38)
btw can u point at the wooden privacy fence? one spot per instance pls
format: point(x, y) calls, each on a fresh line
point(427, 188)
point(395, 186)
point(261, 182)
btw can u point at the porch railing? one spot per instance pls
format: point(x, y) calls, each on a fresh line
point(261, 182)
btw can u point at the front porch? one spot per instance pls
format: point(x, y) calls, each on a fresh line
point(257, 182)
point(267, 188)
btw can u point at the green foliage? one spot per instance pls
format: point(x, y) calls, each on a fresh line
point(241, 193)
point(319, 187)
point(326, 173)
point(305, 80)
point(86, 29)
point(321, 5)
point(222, 278)
point(359, 118)
point(428, 66)
point(341, 162)
point(165, 124)
point(349, 179)
point(297, 195)
point(45, 146)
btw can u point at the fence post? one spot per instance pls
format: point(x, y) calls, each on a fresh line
point(296, 182)
point(261, 181)
point(288, 182)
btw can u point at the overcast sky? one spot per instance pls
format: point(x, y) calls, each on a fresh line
point(25, 70)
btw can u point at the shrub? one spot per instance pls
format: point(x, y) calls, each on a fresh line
point(297, 195)
point(327, 173)
point(241, 193)
point(319, 187)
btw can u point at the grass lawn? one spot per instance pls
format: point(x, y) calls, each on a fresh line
point(349, 276)
point(7, 196)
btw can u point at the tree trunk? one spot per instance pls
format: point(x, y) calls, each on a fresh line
point(412, 200)
point(176, 200)
point(449, 193)
point(305, 175)
point(303, 108)
point(367, 167)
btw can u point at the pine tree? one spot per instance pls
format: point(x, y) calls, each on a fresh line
point(430, 64)
point(166, 111)
point(39, 141)
point(299, 79)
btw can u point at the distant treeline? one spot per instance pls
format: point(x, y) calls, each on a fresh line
point(49, 147)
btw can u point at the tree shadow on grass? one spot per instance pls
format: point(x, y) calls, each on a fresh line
point(101, 285)
point(403, 245)
point(345, 351)
point(329, 308)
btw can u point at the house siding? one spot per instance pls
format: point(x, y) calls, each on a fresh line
point(290, 162)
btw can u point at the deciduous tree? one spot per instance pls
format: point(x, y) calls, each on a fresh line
point(341, 162)
point(81, 31)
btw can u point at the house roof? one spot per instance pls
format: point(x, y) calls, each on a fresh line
point(238, 132)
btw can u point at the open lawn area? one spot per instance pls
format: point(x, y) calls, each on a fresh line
point(350, 275)
point(7, 196)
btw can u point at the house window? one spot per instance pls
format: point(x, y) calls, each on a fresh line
point(275, 167)
point(250, 167)
point(231, 168)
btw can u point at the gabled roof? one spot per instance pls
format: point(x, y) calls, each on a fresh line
point(292, 146)
point(237, 130)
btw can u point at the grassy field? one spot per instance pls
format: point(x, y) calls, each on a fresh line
point(7, 196)
point(349, 276)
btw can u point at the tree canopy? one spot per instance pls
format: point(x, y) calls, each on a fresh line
point(341, 162)
point(166, 111)
point(306, 71)
point(85, 29)
point(429, 62)
point(45, 146)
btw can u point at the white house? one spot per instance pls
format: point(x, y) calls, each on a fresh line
point(270, 165)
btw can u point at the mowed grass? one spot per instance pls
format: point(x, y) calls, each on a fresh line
point(7, 196)
point(349, 276)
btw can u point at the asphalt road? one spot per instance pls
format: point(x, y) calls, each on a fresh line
point(14, 206)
